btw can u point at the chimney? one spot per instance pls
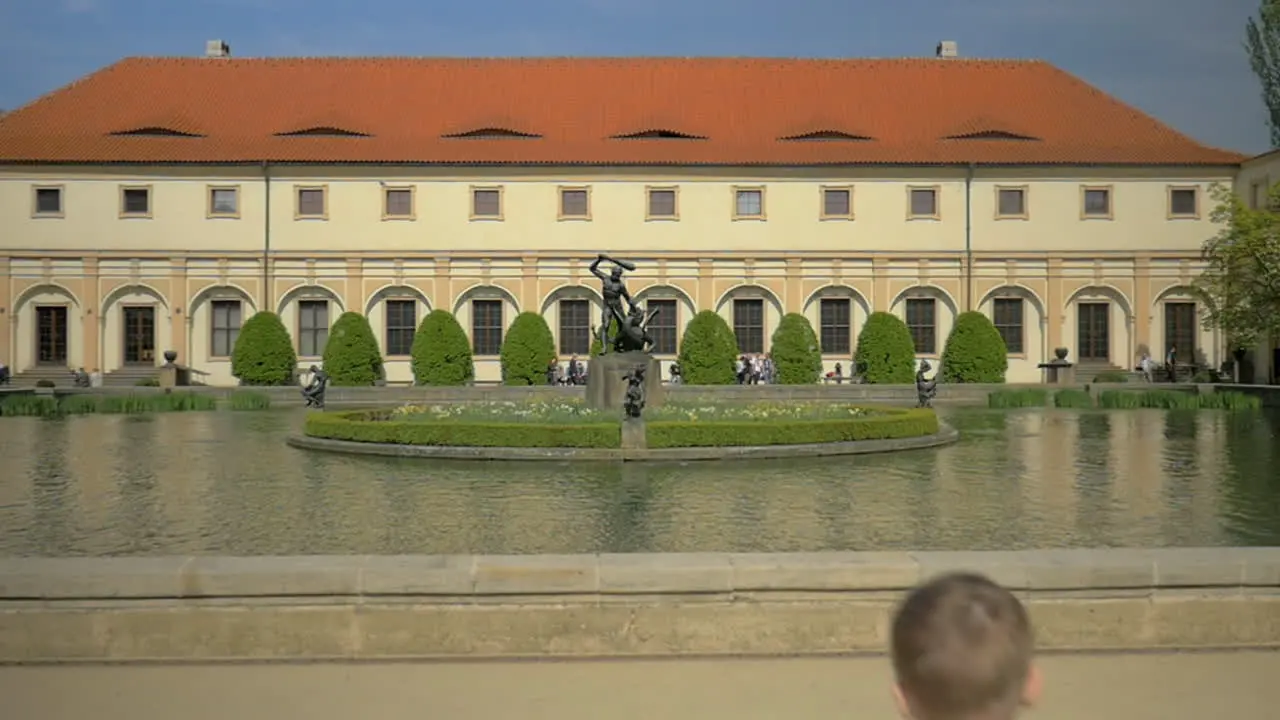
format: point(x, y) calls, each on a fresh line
point(948, 49)
point(217, 49)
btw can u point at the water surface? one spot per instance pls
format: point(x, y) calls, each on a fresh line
point(226, 483)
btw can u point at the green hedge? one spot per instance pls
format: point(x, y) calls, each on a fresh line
point(975, 352)
point(441, 351)
point(796, 356)
point(893, 424)
point(370, 427)
point(1123, 400)
point(708, 351)
point(351, 355)
point(376, 427)
point(264, 353)
point(1110, 376)
point(527, 350)
point(91, 403)
point(886, 354)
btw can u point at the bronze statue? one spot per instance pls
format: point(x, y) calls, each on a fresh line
point(614, 291)
point(634, 402)
point(925, 389)
point(633, 333)
point(313, 393)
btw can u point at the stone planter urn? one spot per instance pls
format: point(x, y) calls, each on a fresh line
point(1060, 354)
point(170, 356)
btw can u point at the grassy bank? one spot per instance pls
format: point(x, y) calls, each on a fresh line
point(1122, 400)
point(85, 404)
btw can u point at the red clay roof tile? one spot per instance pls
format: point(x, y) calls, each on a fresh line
point(744, 107)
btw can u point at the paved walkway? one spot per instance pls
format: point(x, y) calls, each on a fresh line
point(1112, 687)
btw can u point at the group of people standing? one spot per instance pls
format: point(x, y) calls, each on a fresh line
point(754, 369)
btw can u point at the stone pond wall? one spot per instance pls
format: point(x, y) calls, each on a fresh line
point(221, 608)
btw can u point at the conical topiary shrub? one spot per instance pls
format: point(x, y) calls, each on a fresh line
point(351, 356)
point(886, 355)
point(708, 350)
point(527, 350)
point(796, 357)
point(441, 351)
point(264, 353)
point(975, 352)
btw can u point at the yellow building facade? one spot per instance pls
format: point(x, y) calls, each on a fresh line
point(103, 268)
point(157, 204)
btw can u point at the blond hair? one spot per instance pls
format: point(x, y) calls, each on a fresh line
point(961, 648)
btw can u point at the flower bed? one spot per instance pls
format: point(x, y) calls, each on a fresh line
point(573, 425)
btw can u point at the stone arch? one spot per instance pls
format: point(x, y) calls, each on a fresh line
point(573, 338)
point(479, 290)
point(23, 326)
point(772, 315)
point(747, 289)
point(198, 300)
point(48, 288)
point(306, 290)
point(392, 291)
point(663, 288)
point(933, 291)
point(859, 310)
point(1207, 343)
point(114, 296)
point(117, 343)
point(839, 290)
point(571, 292)
point(1190, 291)
point(1110, 292)
point(1016, 290)
point(686, 308)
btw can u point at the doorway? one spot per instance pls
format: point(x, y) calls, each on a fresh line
point(1093, 332)
point(139, 335)
point(51, 335)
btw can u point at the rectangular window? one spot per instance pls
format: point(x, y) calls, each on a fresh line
point(486, 327)
point(224, 327)
point(1011, 203)
point(663, 326)
point(397, 203)
point(922, 202)
point(748, 203)
point(837, 203)
point(661, 204)
point(47, 202)
point(1006, 315)
point(1180, 330)
point(575, 204)
point(402, 322)
point(748, 325)
point(486, 203)
point(135, 202)
point(311, 203)
point(313, 327)
point(836, 325)
point(575, 327)
point(922, 322)
point(224, 202)
point(1096, 202)
point(1258, 195)
point(1184, 202)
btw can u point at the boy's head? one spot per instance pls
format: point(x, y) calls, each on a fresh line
point(962, 648)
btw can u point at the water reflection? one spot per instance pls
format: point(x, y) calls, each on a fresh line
point(225, 483)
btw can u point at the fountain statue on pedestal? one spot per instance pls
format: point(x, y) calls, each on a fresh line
point(615, 377)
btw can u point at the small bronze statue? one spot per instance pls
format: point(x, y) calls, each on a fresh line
point(614, 291)
point(633, 333)
point(634, 402)
point(925, 389)
point(313, 393)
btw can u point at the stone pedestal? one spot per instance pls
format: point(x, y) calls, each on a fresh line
point(606, 387)
point(1059, 373)
point(168, 376)
point(633, 434)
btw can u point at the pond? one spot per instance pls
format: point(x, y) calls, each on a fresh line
point(226, 483)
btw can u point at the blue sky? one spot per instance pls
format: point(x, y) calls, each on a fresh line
point(1180, 60)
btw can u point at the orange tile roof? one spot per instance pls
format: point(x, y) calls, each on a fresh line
point(236, 110)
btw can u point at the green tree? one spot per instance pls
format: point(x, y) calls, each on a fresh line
point(708, 351)
point(596, 347)
point(441, 351)
point(886, 355)
point(1262, 41)
point(1241, 279)
point(527, 350)
point(351, 355)
point(264, 353)
point(796, 356)
point(975, 352)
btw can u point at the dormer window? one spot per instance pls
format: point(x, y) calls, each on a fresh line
point(990, 135)
point(322, 131)
point(658, 134)
point(155, 131)
point(827, 136)
point(491, 133)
